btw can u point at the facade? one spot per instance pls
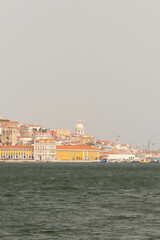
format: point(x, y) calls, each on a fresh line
point(33, 127)
point(16, 152)
point(9, 136)
point(80, 128)
point(42, 135)
point(45, 150)
point(76, 152)
point(24, 132)
point(25, 140)
point(88, 139)
point(7, 123)
point(64, 132)
point(120, 157)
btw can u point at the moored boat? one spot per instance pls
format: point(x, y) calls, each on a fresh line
point(103, 160)
point(146, 160)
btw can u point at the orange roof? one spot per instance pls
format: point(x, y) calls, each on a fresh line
point(111, 152)
point(10, 127)
point(17, 146)
point(9, 121)
point(75, 147)
point(46, 140)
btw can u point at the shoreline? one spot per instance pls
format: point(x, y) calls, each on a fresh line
point(49, 161)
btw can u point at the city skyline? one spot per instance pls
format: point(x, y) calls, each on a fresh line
point(97, 61)
point(81, 130)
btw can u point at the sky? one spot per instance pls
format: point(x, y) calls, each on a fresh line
point(94, 60)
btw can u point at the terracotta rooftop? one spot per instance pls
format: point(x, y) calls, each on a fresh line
point(46, 140)
point(7, 121)
point(77, 147)
point(17, 146)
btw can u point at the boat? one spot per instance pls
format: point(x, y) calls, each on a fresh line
point(154, 160)
point(103, 160)
point(146, 160)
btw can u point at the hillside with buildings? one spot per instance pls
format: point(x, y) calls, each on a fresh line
point(31, 142)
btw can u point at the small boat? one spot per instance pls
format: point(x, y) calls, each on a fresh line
point(154, 160)
point(103, 160)
point(146, 160)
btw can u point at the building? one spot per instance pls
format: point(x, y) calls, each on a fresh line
point(63, 132)
point(16, 152)
point(9, 136)
point(120, 157)
point(76, 152)
point(34, 127)
point(7, 123)
point(24, 131)
point(45, 150)
point(25, 140)
point(42, 135)
point(88, 139)
point(79, 128)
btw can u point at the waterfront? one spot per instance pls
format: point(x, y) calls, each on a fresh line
point(79, 201)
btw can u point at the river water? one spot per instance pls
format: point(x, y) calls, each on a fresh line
point(44, 201)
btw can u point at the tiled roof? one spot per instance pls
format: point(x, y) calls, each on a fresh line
point(16, 146)
point(46, 140)
point(75, 147)
point(8, 121)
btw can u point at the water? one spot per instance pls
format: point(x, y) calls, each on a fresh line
point(79, 201)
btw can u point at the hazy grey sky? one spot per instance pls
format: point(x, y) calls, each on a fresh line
point(98, 61)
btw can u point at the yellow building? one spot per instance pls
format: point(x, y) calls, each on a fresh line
point(64, 132)
point(76, 152)
point(16, 152)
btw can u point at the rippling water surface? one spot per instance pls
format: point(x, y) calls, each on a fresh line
point(79, 201)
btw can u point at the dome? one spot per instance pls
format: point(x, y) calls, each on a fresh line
point(80, 128)
point(80, 125)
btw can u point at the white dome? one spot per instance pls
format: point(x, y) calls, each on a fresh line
point(80, 128)
point(80, 125)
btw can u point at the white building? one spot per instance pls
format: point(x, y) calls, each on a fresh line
point(25, 140)
point(80, 128)
point(41, 135)
point(120, 157)
point(45, 150)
